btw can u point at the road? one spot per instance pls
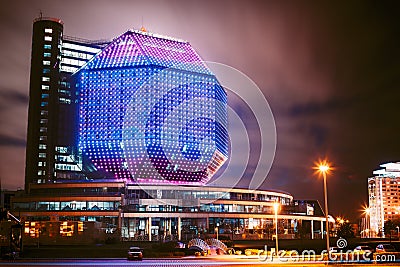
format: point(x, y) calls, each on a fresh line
point(161, 262)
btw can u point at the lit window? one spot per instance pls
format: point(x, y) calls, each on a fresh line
point(68, 68)
point(61, 149)
point(26, 228)
point(75, 62)
point(42, 146)
point(42, 155)
point(65, 84)
point(47, 46)
point(66, 229)
point(48, 30)
point(46, 62)
point(65, 100)
point(80, 227)
point(45, 96)
point(44, 104)
point(32, 228)
point(46, 70)
point(47, 54)
point(45, 87)
point(48, 38)
point(43, 129)
point(43, 138)
point(46, 79)
point(43, 112)
point(43, 121)
point(81, 48)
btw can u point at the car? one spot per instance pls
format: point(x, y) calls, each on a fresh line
point(135, 253)
point(381, 248)
point(8, 254)
point(180, 245)
point(363, 249)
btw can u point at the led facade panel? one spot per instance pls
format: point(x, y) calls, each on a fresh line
point(152, 111)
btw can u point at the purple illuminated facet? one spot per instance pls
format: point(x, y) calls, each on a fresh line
point(109, 87)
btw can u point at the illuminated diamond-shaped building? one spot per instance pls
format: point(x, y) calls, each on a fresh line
point(151, 110)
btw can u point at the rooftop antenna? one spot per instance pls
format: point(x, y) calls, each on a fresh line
point(143, 29)
point(40, 14)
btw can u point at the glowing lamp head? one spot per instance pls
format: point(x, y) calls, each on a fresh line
point(323, 168)
point(367, 210)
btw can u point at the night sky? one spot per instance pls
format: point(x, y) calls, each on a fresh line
point(330, 71)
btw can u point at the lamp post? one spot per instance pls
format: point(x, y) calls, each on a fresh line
point(367, 224)
point(276, 207)
point(324, 168)
point(216, 228)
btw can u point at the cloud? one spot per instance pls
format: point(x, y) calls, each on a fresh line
point(11, 141)
point(10, 97)
point(12, 167)
point(13, 117)
point(317, 107)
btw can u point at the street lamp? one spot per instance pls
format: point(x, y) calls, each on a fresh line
point(324, 168)
point(367, 210)
point(276, 207)
point(340, 220)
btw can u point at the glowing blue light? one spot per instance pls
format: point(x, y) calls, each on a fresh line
point(129, 93)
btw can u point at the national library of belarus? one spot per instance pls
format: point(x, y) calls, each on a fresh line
point(123, 136)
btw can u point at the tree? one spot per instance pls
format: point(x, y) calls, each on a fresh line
point(345, 230)
point(302, 229)
point(3, 214)
point(388, 227)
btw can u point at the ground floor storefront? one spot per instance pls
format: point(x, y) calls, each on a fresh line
point(164, 227)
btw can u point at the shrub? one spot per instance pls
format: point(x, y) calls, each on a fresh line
point(249, 251)
point(238, 252)
point(179, 253)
